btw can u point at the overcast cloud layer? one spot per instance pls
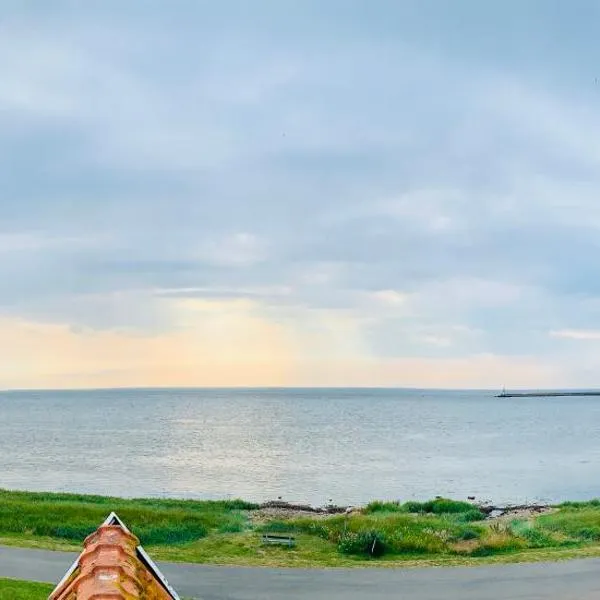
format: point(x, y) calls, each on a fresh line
point(299, 193)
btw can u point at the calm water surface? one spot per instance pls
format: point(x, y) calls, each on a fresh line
point(305, 445)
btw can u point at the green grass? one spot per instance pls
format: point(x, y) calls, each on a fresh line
point(440, 531)
point(11, 589)
point(463, 511)
point(574, 523)
point(72, 517)
point(395, 532)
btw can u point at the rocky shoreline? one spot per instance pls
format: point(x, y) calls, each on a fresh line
point(281, 508)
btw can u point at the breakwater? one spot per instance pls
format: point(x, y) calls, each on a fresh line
point(545, 394)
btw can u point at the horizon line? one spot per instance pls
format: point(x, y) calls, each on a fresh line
point(291, 387)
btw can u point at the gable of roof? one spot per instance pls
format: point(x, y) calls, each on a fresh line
point(114, 522)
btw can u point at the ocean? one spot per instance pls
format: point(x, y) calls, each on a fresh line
point(346, 446)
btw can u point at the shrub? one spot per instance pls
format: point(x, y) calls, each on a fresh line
point(443, 506)
point(369, 543)
point(469, 516)
point(467, 534)
point(379, 506)
point(413, 507)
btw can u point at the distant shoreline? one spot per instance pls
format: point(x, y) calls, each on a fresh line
point(333, 388)
point(15, 391)
point(545, 394)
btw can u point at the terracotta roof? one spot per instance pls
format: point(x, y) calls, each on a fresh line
point(113, 566)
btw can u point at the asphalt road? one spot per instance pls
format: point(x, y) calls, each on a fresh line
point(573, 580)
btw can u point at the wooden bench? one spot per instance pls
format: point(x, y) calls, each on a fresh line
point(282, 540)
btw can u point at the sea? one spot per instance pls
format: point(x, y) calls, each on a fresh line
point(316, 446)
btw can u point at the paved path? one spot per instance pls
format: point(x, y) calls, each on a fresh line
point(574, 580)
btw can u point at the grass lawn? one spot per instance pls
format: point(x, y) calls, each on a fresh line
point(439, 532)
point(10, 589)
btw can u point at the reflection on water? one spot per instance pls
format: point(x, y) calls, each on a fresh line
point(306, 445)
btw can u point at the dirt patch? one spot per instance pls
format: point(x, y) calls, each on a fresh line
point(264, 515)
point(278, 510)
point(464, 546)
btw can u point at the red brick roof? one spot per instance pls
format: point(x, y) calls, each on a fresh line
point(113, 566)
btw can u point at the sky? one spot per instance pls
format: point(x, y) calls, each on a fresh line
point(300, 193)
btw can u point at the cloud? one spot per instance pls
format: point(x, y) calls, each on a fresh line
point(238, 249)
point(389, 297)
point(577, 334)
point(374, 187)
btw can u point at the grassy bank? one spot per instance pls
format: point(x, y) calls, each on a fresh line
point(229, 532)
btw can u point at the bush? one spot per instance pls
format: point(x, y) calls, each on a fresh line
point(379, 506)
point(366, 543)
point(469, 516)
point(467, 534)
point(443, 506)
